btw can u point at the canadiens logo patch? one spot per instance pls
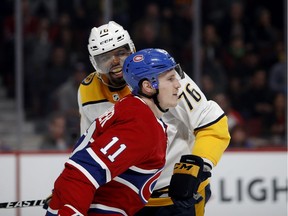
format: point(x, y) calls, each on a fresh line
point(138, 58)
point(88, 79)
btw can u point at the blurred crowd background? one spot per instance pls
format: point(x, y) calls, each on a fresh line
point(243, 61)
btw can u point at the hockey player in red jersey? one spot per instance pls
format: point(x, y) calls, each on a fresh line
point(196, 125)
point(114, 166)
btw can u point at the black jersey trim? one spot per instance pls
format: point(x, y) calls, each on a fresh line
point(211, 123)
point(95, 102)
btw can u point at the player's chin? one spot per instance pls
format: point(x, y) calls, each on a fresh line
point(118, 81)
point(173, 103)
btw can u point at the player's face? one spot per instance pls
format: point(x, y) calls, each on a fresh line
point(111, 63)
point(168, 89)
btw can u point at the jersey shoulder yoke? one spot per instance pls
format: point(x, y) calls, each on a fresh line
point(90, 89)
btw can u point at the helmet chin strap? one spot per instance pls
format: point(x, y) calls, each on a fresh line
point(155, 99)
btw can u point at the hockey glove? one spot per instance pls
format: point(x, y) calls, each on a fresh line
point(186, 178)
point(47, 201)
point(206, 171)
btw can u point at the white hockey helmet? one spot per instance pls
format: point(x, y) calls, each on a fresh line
point(106, 38)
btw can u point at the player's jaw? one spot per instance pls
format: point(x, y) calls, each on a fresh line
point(116, 76)
point(168, 100)
point(174, 99)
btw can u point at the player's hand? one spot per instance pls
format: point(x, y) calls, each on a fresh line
point(47, 201)
point(187, 203)
point(186, 178)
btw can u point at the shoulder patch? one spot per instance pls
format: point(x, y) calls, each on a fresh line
point(88, 79)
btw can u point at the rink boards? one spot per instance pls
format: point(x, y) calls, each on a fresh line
point(244, 183)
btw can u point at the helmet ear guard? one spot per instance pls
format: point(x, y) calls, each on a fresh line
point(93, 62)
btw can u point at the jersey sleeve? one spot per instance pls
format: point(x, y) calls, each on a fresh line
point(89, 99)
point(84, 120)
point(205, 119)
point(212, 141)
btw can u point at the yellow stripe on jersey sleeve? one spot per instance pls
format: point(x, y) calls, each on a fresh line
point(211, 141)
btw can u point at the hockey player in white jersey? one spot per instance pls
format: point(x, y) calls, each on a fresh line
point(197, 128)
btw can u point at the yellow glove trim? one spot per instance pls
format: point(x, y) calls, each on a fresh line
point(153, 202)
point(186, 168)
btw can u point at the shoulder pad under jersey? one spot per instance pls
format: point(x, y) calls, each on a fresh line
point(88, 79)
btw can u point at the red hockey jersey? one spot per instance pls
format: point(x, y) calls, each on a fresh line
point(115, 164)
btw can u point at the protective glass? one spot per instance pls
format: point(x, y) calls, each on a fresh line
point(179, 71)
point(120, 53)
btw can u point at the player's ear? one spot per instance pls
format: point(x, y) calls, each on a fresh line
point(147, 88)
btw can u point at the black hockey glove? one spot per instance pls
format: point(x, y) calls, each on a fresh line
point(186, 178)
point(47, 201)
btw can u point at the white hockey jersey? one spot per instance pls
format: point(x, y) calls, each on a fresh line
point(195, 126)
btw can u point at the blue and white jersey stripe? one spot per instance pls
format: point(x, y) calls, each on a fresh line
point(91, 166)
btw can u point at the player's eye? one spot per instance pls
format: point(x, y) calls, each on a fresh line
point(121, 53)
point(171, 78)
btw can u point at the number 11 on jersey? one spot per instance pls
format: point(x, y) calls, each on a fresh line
point(115, 154)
